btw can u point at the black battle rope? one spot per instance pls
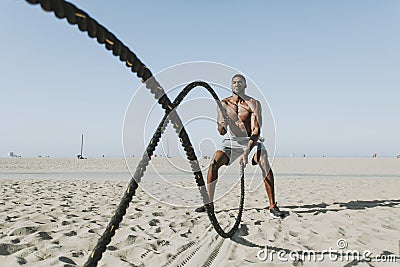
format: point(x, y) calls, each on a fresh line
point(74, 15)
point(101, 244)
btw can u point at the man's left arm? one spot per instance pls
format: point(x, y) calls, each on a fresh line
point(256, 120)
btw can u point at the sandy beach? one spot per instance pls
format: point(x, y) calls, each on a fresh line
point(54, 210)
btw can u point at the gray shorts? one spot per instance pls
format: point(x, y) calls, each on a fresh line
point(235, 146)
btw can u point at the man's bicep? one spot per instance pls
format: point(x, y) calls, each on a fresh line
point(220, 117)
point(256, 116)
point(259, 113)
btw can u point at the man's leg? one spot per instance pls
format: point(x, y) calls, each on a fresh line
point(219, 159)
point(267, 174)
point(261, 157)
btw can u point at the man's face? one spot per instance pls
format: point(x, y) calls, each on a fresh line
point(238, 85)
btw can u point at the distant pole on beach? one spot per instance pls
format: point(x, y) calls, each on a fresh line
point(82, 146)
point(80, 156)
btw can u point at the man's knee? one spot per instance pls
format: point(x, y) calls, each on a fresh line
point(219, 159)
point(260, 157)
point(264, 164)
point(215, 164)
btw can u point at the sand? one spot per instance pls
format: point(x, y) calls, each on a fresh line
point(54, 210)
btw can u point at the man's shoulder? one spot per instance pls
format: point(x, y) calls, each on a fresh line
point(248, 100)
point(253, 104)
point(226, 100)
point(252, 101)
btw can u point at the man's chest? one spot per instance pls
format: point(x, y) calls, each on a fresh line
point(241, 111)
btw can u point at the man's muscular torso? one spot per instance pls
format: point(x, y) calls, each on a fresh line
point(244, 115)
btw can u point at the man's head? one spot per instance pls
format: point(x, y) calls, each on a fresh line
point(238, 84)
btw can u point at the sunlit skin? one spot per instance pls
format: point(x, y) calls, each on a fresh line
point(244, 120)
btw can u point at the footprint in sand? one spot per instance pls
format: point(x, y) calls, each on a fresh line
point(77, 254)
point(294, 234)
point(158, 214)
point(24, 230)
point(66, 260)
point(154, 222)
point(136, 216)
point(21, 261)
point(15, 241)
point(72, 233)
point(131, 239)
point(44, 236)
point(8, 249)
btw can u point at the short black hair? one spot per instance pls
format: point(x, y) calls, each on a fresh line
point(240, 76)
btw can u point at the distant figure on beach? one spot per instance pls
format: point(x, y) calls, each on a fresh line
point(244, 122)
point(374, 155)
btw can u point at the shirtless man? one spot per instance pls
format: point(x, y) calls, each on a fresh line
point(244, 122)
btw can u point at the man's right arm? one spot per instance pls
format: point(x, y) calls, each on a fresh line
point(222, 124)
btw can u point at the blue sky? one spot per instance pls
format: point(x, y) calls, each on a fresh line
point(329, 70)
